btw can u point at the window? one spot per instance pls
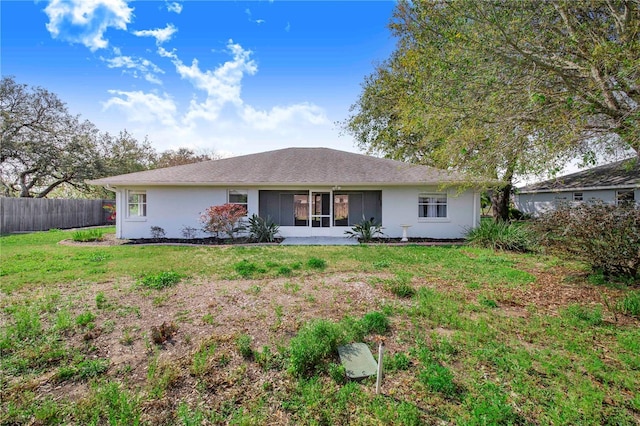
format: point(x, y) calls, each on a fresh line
point(625, 196)
point(240, 197)
point(577, 196)
point(137, 204)
point(432, 205)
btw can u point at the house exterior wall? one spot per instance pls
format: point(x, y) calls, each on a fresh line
point(538, 203)
point(174, 208)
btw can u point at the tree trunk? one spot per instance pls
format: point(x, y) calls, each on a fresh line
point(500, 199)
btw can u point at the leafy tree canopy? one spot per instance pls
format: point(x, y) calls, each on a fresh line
point(45, 150)
point(503, 89)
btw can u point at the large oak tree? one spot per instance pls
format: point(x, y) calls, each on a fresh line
point(502, 88)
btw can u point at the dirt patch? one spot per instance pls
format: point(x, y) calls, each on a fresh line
point(107, 240)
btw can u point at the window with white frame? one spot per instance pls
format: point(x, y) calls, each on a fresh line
point(136, 204)
point(239, 197)
point(432, 206)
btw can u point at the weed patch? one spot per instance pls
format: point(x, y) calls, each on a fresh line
point(161, 280)
point(88, 235)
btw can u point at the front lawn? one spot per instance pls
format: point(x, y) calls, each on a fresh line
point(247, 335)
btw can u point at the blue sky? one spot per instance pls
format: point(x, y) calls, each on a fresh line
point(231, 76)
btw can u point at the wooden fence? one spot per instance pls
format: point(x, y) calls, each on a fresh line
point(42, 214)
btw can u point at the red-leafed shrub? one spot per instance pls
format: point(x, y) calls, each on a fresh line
point(225, 219)
point(605, 236)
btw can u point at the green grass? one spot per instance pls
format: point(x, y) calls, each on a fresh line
point(456, 355)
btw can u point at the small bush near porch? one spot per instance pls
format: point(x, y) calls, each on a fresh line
point(485, 337)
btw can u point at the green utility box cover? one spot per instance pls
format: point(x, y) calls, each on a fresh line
point(357, 360)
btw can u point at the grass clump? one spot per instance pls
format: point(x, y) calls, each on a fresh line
point(375, 322)
point(438, 378)
point(161, 280)
point(590, 316)
point(88, 235)
point(630, 305)
point(315, 343)
point(247, 269)
point(502, 236)
point(243, 344)
point(85, 319)
point(316, 263)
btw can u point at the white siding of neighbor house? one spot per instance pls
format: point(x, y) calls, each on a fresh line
point(542, 202)
point(173, 208)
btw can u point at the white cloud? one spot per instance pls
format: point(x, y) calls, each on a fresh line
point(160, 34)
point(143, 107)
point(222, 84)
point(288, 27)
point(174, 7)
point(278, 116)
point(137, 67)
point(86, 21)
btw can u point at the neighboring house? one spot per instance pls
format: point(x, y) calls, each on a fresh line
point(307, 191)
point(612, 183)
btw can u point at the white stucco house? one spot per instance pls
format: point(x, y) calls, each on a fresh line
point(307, 191)
point(611, 183)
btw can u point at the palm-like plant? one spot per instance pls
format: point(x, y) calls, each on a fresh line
point(366, 230)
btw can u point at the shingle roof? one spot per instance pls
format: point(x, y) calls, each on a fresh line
point(621, 174)
point(290, 166)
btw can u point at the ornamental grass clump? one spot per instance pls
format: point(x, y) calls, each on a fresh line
point(518, 237)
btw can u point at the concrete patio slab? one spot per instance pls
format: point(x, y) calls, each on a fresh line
point(319, 241)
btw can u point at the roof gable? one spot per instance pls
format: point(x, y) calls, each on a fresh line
point(290, 166)
point(621, 174)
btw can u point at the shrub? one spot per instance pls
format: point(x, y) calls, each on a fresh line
point(366, 230)
point(161, 280)
point(225, 219)
point(606, 237)
point(502, 236)
point(316, 341)
point(630, 305)
point(189, 232)
point(157, 232)
point(87, 235)
point(263, 230)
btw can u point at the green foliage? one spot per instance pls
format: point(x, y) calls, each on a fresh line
point(589, 316)
point(502, 236)
point(110, 403)
point(316, 263)
point(88, 235)
point(338, 373)
point(606, 237)
point(85, 319)
point(490, 407)
point(161, 280)
point(247, 269)
point(400, 285)
point(375, 322)
point(366, 230)
point(630, 305)
point(262, 230)
point(85, 369)
point(398, 362)
point(200, 359)
point(101, 301)
point(243, 345)
point(438, 378)
point(316, 342)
